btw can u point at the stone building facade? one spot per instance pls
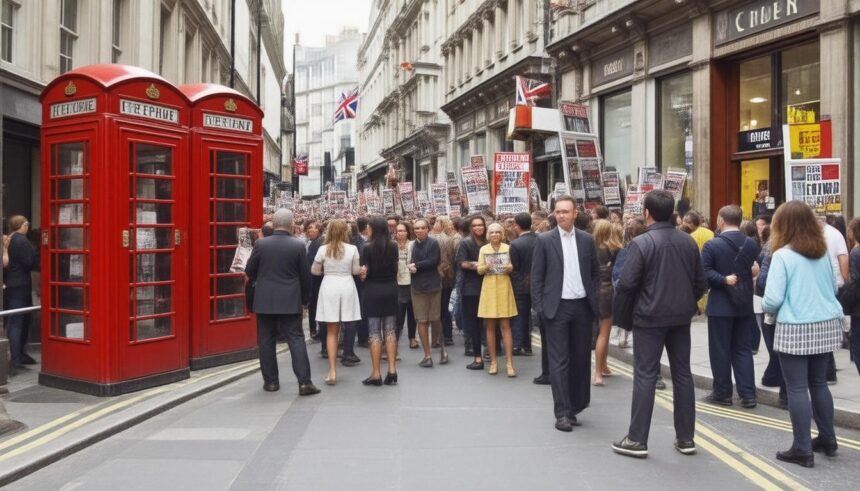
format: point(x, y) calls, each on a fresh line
point(185, 41)
point(709, 84)
point(401, 73)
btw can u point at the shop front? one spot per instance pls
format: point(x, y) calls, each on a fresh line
point(762, 86)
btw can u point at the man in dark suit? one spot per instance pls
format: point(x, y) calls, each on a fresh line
point(564, 284)
point(663, 278)
point(522, 249)
point(728, 261)
point(279, 268)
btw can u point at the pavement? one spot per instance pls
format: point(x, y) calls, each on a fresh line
point(846, 392)
point(92, 442)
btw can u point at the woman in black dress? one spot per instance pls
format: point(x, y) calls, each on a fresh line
point(379, 300)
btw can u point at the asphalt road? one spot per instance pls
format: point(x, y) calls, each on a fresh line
point(440, 428)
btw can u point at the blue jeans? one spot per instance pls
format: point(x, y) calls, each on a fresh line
point(521, 324)
point(806, 376)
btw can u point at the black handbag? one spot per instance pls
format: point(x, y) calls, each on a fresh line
point(622, 309)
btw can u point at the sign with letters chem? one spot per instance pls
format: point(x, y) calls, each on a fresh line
point(754, 17)
point(228, 123)
point(148, 111)
point(73, 108)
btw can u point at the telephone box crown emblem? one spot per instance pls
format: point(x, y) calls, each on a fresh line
point(230, 105)
point(152, 92)
point(70, 89)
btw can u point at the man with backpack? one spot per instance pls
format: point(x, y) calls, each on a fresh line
point(728, 260)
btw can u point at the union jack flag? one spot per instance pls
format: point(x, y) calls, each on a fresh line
point(347, 105)
point(530, 90)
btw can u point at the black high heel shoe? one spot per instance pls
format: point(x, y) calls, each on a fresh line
point(372, 381)
point(391, 379)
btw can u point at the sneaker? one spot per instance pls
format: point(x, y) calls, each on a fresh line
point(713, 399)
point(661, 384)
point(517, 351)
point(527, 351)
point(686, 447)
point(630, 448)
point(413, 344)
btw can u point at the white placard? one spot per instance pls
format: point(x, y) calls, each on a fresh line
point(227, 123)
point(73, 108)
point(149, 111)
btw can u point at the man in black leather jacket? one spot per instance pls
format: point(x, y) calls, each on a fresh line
point(663, 272)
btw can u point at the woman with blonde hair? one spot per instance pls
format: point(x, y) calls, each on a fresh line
point(337, 261)
point(801, 292)
point(448, 240)
point(497, 303)
point(608, 240)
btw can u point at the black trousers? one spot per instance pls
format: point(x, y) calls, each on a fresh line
point(18, 326)
point(447, 321)
point(290, 327)
point(472, 325)
point(316, 282)
point(730, 352)
point(544, 357)
point(647, 351)
point(568, 342)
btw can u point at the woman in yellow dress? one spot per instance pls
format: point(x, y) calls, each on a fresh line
point(497, 305)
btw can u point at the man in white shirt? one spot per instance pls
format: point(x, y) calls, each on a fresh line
point(837, 251)
point(564, 285)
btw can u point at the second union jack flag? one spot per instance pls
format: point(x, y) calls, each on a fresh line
point(347, 105)
point(530, 90)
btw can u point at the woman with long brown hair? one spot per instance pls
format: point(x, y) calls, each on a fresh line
point(337, 261)
point(801, 292)
point(403, 237)
point(497, 303)
point(607, 238)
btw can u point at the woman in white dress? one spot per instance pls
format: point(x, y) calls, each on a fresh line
point(337, 261)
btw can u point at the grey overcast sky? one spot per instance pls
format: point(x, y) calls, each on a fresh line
point(313, 19)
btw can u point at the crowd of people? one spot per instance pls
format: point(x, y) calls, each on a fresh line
point(573, 275)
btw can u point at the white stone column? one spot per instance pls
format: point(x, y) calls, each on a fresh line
point(477, 48)
point(499, 30)
point(488, 39)
point(512, 23)
point(701, 192)
point(467, 57)
point(835, 80)
point(531, 8)
point(458, 61)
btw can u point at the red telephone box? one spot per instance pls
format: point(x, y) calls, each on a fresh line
point(115, 216)
point(226, 198)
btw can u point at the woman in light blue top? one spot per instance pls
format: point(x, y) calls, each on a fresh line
point(801, 292)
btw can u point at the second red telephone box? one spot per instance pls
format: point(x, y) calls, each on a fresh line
point(115, 217)
point(226, 201)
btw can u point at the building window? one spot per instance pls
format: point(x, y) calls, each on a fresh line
point(8, 29)
point(675, 145)
point(68, 33)
point(464, 153)
point(116, 30)
point(481, 144)
point(801, 88)
point(755, 93)
point(616, 132)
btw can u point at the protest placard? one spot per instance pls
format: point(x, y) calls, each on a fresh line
point(477, 188)
point(439, 198)
point(816, 182)
point(407, 197)
point(511, 182)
